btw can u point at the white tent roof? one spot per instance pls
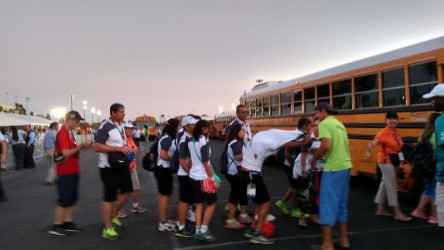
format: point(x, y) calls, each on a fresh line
point(9, 119)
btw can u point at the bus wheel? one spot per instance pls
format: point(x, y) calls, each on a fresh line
point(409, 184)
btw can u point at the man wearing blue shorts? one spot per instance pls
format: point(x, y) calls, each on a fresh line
point(334, 191)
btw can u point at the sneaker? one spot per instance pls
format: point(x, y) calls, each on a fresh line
point(110, 234)
point(185, 233)
point(282, 206)
point(117, 224)
point(57, 230)
point(433, 220)
point(245, 220)
point(233, 224)
point(206, 237)
point(419, 214)
point(71, 227)
point(138, 209)
point(122, 214)
point(166, 226)
point(191, 217)
point(260, 239)
point(297, 213)
point(249, 233)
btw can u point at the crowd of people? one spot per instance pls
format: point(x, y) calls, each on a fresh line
point(317, 164)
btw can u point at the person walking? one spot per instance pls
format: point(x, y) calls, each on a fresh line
point(48, 146)
point(136, 207)
point(390, 142)
point(3, 154)
point(428, 180)
point(116, 180)
point(68, 176)
point(29, 150)
point(17, 140)
point(334, 190)
point(437, 96)
point(163, 172)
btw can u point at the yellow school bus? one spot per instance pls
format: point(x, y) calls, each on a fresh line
point(363, 92)
point(149, 126)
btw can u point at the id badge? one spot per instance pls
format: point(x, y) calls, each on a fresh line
point(251, 190)
point(401, 156)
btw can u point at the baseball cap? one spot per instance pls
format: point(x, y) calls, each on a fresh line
point(188, 120)
point(128, 125)
point(74, 115)
point(327, 107)
point(438, 90)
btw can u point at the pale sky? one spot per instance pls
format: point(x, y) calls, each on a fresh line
point(174, 57)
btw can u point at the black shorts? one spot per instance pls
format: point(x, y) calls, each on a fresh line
point(291, 180)
point(186, 194)
point(236, 196)
point(262, 194)
point(164, 177)
point(114, 180)
point(68, 189)
point(201, 197)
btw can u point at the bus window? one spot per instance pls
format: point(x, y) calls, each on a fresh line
point(309, 103)
point(342, 94)
point(259, 106)
point(266, 106)
point(286, 103)
point(422, 78)
point(366, 91)
point(393, 87)
point(323, 93)
point(297, 101)
point(274, 105)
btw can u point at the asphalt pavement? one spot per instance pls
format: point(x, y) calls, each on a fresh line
point(26, 216)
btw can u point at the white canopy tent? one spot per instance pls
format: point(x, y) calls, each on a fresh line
point(10, 119)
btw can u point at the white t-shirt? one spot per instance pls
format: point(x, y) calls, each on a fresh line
point(111, 134)
point(182, 152)
point(168, 144)
point(199, 151)
point(234, 148)
point(320, 164)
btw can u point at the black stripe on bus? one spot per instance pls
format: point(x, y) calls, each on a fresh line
point(405, 139)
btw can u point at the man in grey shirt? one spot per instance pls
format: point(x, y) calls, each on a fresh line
point(48, 146)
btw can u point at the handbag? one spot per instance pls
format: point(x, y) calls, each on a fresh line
point(59, 158)
point(118, 160)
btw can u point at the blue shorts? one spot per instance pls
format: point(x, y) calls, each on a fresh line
point(68, 189)
point(429, 186)
point(334, 197)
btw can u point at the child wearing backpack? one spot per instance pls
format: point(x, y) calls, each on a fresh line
point(429, 183)
point(233, 156)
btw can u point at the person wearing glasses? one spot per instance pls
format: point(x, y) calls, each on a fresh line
point(67, 176)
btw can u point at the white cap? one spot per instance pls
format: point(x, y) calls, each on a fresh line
point(438, 90)
point(128, 125)
point(188, 120)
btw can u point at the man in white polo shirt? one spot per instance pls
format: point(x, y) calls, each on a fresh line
point(117, 181)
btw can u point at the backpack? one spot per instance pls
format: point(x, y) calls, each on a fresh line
point(423, 157)
point(224, 162)
point(149, 161)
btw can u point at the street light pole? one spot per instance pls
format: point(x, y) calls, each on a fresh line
point(93, 110)
point(98, 116)
point(27, 110)
point(84, 108)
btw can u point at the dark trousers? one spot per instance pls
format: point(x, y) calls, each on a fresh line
point(19, 154)
point(2, 192)
point(29, 157)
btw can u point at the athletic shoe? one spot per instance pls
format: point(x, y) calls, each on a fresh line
point(249, 233)
point(191, 217)
point(71, 227)
point(260, 239)
point(234, 224)
point(117, 224)
point(185, 233)
point(297, 213)
point(58, 230)
point(419, 214)
point(122, 214)
point(166, 226)
point(206, 237)
point(433, 220)
point(282, 206)
point(245, 220)
point(138, 209)
point(110, 234)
